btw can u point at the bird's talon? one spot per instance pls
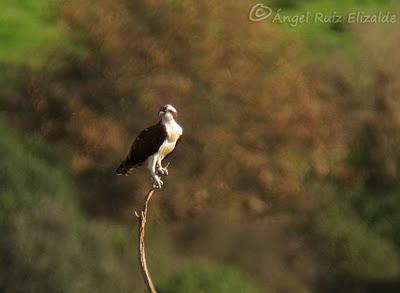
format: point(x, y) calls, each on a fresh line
point(157, 186)
point(162, 171)
point(157, 182)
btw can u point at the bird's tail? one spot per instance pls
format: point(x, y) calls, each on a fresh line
point(124, 168)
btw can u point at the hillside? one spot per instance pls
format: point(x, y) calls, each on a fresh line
point(287, 177)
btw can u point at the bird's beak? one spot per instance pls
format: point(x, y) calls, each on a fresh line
point(162, 112)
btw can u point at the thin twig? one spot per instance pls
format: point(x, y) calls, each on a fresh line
point(141, 251)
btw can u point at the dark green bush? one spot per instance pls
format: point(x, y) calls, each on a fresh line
point(29, 171)
point(46, 244)
point(51, 248)
point(348, 248)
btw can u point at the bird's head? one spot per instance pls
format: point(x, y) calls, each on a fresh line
point(168, 112)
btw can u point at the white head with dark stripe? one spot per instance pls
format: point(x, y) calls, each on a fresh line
point(168, 112)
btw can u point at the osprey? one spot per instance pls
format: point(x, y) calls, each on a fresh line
point(153, 145)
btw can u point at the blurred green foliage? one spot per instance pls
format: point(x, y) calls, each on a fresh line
point(30, 170)
point(51, 248)
point(46, 244)
point(328, 36)
point(349, 248)
point(205, 277)
point(28, 29)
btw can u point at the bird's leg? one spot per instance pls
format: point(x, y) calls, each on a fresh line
point(157, 182)
point(162, 171)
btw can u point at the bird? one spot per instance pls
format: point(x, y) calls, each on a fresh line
point(153, 145)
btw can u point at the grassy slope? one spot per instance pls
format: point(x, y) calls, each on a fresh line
point(30, 32)
point(323, 37)
point(27, 30)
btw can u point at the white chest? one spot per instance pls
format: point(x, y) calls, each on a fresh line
point(174, 131)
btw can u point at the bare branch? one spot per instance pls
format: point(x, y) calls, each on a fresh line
point(141, 251)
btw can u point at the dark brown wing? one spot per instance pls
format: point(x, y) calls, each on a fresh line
point(177, 142)
point(146, 144)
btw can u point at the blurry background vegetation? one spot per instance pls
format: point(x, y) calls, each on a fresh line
point(288, 177)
